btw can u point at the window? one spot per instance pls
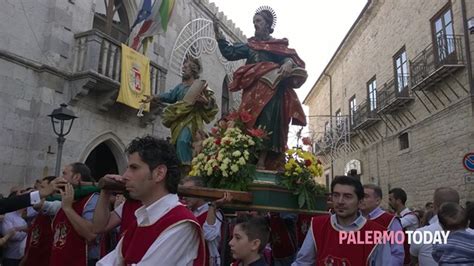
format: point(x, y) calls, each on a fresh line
point(400, 63)
point(225, 97)
point(338, 118)
point(111, 18)
point(372, 94)
point(328, 182)
point(404, 141)
point(443, 34)
point(327, 128)
point(352, 108)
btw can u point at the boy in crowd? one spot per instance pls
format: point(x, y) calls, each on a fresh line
point(248, 241)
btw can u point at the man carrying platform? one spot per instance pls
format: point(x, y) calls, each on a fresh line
point(323, 244)
point(165, 231)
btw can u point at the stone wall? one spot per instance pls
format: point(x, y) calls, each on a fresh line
point(439, 135)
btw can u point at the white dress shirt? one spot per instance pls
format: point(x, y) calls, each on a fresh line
point(15, 248)
point(410, 221)
point(175, 246)
point(212, 234)
point(307, 254)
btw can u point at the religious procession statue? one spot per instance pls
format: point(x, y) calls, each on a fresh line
point(267, 81)
point(191, 104)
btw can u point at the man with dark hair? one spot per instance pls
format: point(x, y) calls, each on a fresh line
point(40, 236)
point(370, 208)
point(396, 199)
point(324, 245)
point(75, 242)
point(410, 221)
point(459, 249)
point(422, 253)
point(165, 231)
point(185, 119)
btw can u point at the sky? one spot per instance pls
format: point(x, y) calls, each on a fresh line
point(315, 28)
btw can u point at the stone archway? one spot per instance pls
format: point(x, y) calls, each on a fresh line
point(105, 154)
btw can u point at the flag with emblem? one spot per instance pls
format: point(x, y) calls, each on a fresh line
point(134, 79)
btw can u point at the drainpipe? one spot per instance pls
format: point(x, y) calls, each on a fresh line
point(467, 49)
point(330, 118)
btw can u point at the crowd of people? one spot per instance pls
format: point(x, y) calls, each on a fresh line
point(150, 225)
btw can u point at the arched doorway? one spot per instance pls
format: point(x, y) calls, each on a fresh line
point(101, 161)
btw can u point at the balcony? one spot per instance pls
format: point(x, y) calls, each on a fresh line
point(394, 95)
point(364, 117)
point(436, 62)
point(96, 71)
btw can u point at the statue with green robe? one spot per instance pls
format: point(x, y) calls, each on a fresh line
point(185, 118)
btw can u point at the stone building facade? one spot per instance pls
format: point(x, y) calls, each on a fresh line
point(396, 100)
point(54, 52)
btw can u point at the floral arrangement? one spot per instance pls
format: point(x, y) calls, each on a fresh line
point(228, 155)
point(300, 169)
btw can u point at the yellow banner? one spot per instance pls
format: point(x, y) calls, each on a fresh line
point(135, 78)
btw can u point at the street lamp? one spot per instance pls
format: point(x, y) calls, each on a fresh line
point(61, 127)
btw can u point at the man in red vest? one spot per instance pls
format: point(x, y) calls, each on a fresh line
point(324, 245)
point(165, 231)
point(40, 236)
point(74, 240)
point(208, 217)
point(370, 208)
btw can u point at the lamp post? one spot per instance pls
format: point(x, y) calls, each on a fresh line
point(60, 118)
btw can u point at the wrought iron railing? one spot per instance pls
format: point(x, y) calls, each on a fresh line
point(99, 54)
point(364, 113)
point(393, 91)
point(446, 51)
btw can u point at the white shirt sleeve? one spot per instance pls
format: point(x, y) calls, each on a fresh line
point(35, 197)
point(119, 210)
point(409, 222)
point(307, 254)
point(175, 246)
point(51, 207)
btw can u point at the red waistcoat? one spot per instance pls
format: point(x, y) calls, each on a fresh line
point(146, 235)
point(38, 243)
point(69, 248)
point(283, 245)
point(128, 214)
point(329, 250)
point(385, 220)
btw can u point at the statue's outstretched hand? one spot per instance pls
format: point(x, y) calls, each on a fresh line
point(217, 31)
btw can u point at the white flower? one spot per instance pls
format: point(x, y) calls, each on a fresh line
point(236, 154)
point(224, 167)
point(234, 168)
point(241, 161)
